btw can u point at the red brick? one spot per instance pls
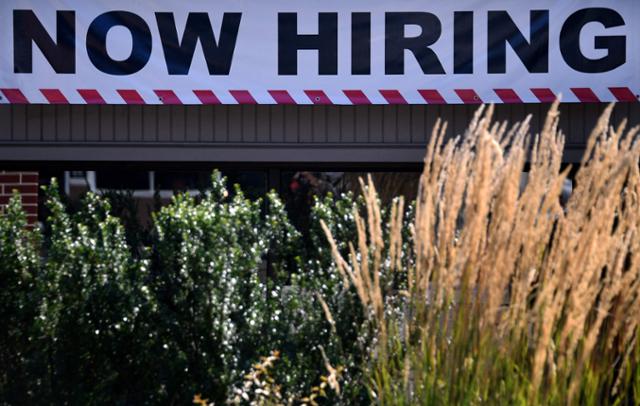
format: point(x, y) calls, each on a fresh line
point(30, 178)
point(29, 199)
point(26, 199)
point(30, 209)
point(21, 188)
point(26, 183)
point(10, 178)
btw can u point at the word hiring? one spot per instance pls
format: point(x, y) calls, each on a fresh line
point(179, 50)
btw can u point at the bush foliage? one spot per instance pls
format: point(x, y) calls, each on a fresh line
point(91, 317)
point(480, 292)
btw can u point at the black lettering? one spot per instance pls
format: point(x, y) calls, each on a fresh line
point(534, 54)
point(179, 54)
point(615, 45)
point(97, 43)
point(361, 43)
point(289, 42)
point(463, 42)
point(396, 42)
point(28, 30)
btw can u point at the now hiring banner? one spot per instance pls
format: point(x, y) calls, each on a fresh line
point(318, 52)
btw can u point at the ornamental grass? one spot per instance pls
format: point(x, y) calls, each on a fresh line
point(511, 297)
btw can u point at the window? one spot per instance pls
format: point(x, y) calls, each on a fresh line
point(164, 183)
point(123, 180)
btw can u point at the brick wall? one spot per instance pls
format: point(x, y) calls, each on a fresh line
point(27, 184)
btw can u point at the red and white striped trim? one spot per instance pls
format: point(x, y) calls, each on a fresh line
point(318, 96)
point(432, 96)
point(91, 96)
point(206, 97)
point(131, 96)
point(243, 96)
point(357, 97)
point(393, 97)
point(54, 96)
point(282, 97)
point(544, 95)
point(15, 96)
point(468, 96)
point(585, 95)
point(623, 94)
point(508, 96)
point(167, 97)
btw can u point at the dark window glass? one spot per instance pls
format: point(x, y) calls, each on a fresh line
point(182, 180)
point(252, 183)
point(122, 180)
point(299, 189)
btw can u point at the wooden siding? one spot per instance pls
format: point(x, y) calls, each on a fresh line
point(265, 133)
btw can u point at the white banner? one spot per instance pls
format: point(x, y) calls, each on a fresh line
point(318, 52)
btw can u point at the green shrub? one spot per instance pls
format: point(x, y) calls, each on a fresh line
point(222, 281)
point(95, 307)
point(210, 289)
point(19, 306)
point(221, 305)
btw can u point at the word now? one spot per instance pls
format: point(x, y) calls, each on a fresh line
point(532, 50)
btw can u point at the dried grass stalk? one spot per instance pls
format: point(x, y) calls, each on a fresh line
point(514, 266)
